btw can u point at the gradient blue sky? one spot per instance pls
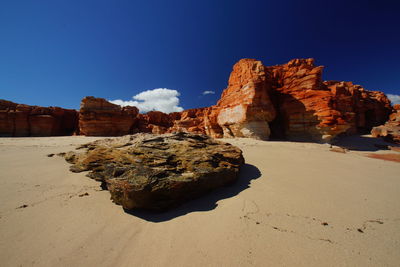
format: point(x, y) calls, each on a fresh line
point(55, 52)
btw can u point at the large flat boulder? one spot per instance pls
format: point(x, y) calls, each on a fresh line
point(158, 172)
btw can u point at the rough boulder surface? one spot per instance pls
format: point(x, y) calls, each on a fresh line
point(158, 172)
point(390, 131)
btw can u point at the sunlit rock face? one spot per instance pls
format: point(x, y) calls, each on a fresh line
point(292, 102)
point(245, 107)
point(289, 101)
point(98, 117)
point(25, 120)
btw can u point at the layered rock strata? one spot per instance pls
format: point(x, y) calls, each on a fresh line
point(310, 109)
point(98, 117)
point(289, 101)
point(25, 120)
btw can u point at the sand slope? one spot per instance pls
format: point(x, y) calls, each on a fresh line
point(275, 215)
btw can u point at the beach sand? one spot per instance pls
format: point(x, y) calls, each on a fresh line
point(295, 204)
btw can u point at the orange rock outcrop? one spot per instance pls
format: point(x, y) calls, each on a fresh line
point(25, 120)
point(310, 109)
point(98, 117)
point(289, 101)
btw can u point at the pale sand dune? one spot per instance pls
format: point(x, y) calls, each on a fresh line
point(272, 217)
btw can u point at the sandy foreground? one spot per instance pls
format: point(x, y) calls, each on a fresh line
point(296, 204)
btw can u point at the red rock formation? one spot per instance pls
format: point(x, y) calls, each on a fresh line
point(155, 122)
point(390, 131)
point(97, 117)
point(289, 101)
point(245, 108)
point(309, 109)
point(190, 120)
point(24, 120)
point(292, 100)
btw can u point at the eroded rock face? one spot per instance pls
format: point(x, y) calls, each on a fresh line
point(98, 117)
point(191, 120)
point(25, 120)
point(310, 109)
point(390, 131)
point(245, 108)
point(289, 101)
point(158, 171)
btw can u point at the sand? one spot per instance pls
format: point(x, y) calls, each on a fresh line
point(296, 204)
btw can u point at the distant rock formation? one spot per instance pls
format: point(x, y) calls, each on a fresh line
point(390, 131)
point(24, 120)
point(98, 117)
point(289, 101)
point(158, 171)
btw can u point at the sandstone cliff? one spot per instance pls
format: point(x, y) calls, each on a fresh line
point(25, 120)
point(289, 101)
point(97, 117)
point(310, 109)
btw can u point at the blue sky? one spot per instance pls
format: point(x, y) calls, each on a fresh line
point(55, 52)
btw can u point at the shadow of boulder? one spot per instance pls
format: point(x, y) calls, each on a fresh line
point(363, 143)
point(207, 202)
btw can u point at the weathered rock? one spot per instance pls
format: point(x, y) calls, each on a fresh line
point(245, 107)
point(190, 120)
point(158, 171)
point(390, 131)
point(24, 120)
point(155, 122)
point(289, 101)
point(98, 117)
point(310, 109)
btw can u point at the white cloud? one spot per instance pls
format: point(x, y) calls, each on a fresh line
point(208, 93)
point(395, 99)
point(161, 99)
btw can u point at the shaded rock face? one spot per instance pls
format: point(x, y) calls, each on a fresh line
point(390, 131)
point(310, 109)
point(25, 120)
point(158, 172)
point(98, 117)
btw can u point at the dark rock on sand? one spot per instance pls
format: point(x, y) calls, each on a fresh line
point(158, 171)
